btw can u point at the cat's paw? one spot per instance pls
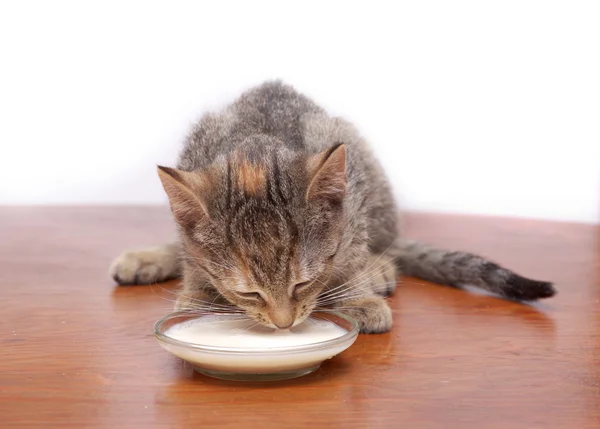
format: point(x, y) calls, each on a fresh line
point(373, 314)
point(146, 266)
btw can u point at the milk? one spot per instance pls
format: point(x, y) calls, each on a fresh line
point(226, 331)
point(264, 348)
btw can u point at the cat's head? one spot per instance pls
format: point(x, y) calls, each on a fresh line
point(264, 225)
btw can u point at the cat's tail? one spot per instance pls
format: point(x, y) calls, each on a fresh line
point(461, 269)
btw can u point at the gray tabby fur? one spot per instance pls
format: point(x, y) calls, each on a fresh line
point(351, 251)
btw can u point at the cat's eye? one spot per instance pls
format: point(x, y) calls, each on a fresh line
point(249, 295)
point(299, 287)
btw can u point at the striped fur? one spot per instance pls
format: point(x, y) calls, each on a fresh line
point(282, 208)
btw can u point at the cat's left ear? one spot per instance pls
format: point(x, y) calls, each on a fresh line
point(185, 190)
point(328, 171)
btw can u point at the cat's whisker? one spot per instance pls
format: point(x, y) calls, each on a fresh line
point(207, 304)
point(195, 300)
point(350, 295)
point(252, 325)
point(217, 296)
point(343, 309)
point(214, 307)
point(366, 272)
point(350, 288)
point(374, 262)
point(201, 307)
point(329, 294)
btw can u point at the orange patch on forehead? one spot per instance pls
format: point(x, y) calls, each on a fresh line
point(251, 178)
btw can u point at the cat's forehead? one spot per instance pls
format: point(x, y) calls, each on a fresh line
point(258, 191)
point(250, 178)
point(265, 241)
point(263, 223)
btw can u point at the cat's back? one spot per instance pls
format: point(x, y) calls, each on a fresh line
point(272, 103)
point(272, 108)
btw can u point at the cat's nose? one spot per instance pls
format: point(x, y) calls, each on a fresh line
point(284, 325)
point(283, 318)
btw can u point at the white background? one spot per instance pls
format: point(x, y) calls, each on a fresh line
point(482, 107)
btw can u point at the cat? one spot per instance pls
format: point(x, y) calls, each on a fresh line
point(282, 209)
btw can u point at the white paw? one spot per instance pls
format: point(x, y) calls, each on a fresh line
point(146, 266)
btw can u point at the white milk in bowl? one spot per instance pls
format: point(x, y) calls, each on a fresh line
point(234, 347)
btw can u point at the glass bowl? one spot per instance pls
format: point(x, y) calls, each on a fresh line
point(255, 364)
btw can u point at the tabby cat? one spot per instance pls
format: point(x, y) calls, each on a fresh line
point(282, 209)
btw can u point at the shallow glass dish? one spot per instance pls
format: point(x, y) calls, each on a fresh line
point(256, 364)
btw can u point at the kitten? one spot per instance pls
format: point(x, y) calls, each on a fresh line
point(282, 209)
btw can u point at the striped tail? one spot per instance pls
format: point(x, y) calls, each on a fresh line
point(466, 269)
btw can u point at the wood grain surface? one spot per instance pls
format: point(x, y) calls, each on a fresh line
point(78, 351)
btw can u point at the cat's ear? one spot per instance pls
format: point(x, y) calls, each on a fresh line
point(184, 190)
point(328, 169)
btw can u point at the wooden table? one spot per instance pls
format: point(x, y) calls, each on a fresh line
point(78, 351)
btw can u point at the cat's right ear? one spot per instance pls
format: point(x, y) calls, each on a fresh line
point(184, 190)
point(328, 170)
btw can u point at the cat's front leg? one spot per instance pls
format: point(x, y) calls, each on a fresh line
point(147, 266)
point(372, 313)
point(364, 301)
